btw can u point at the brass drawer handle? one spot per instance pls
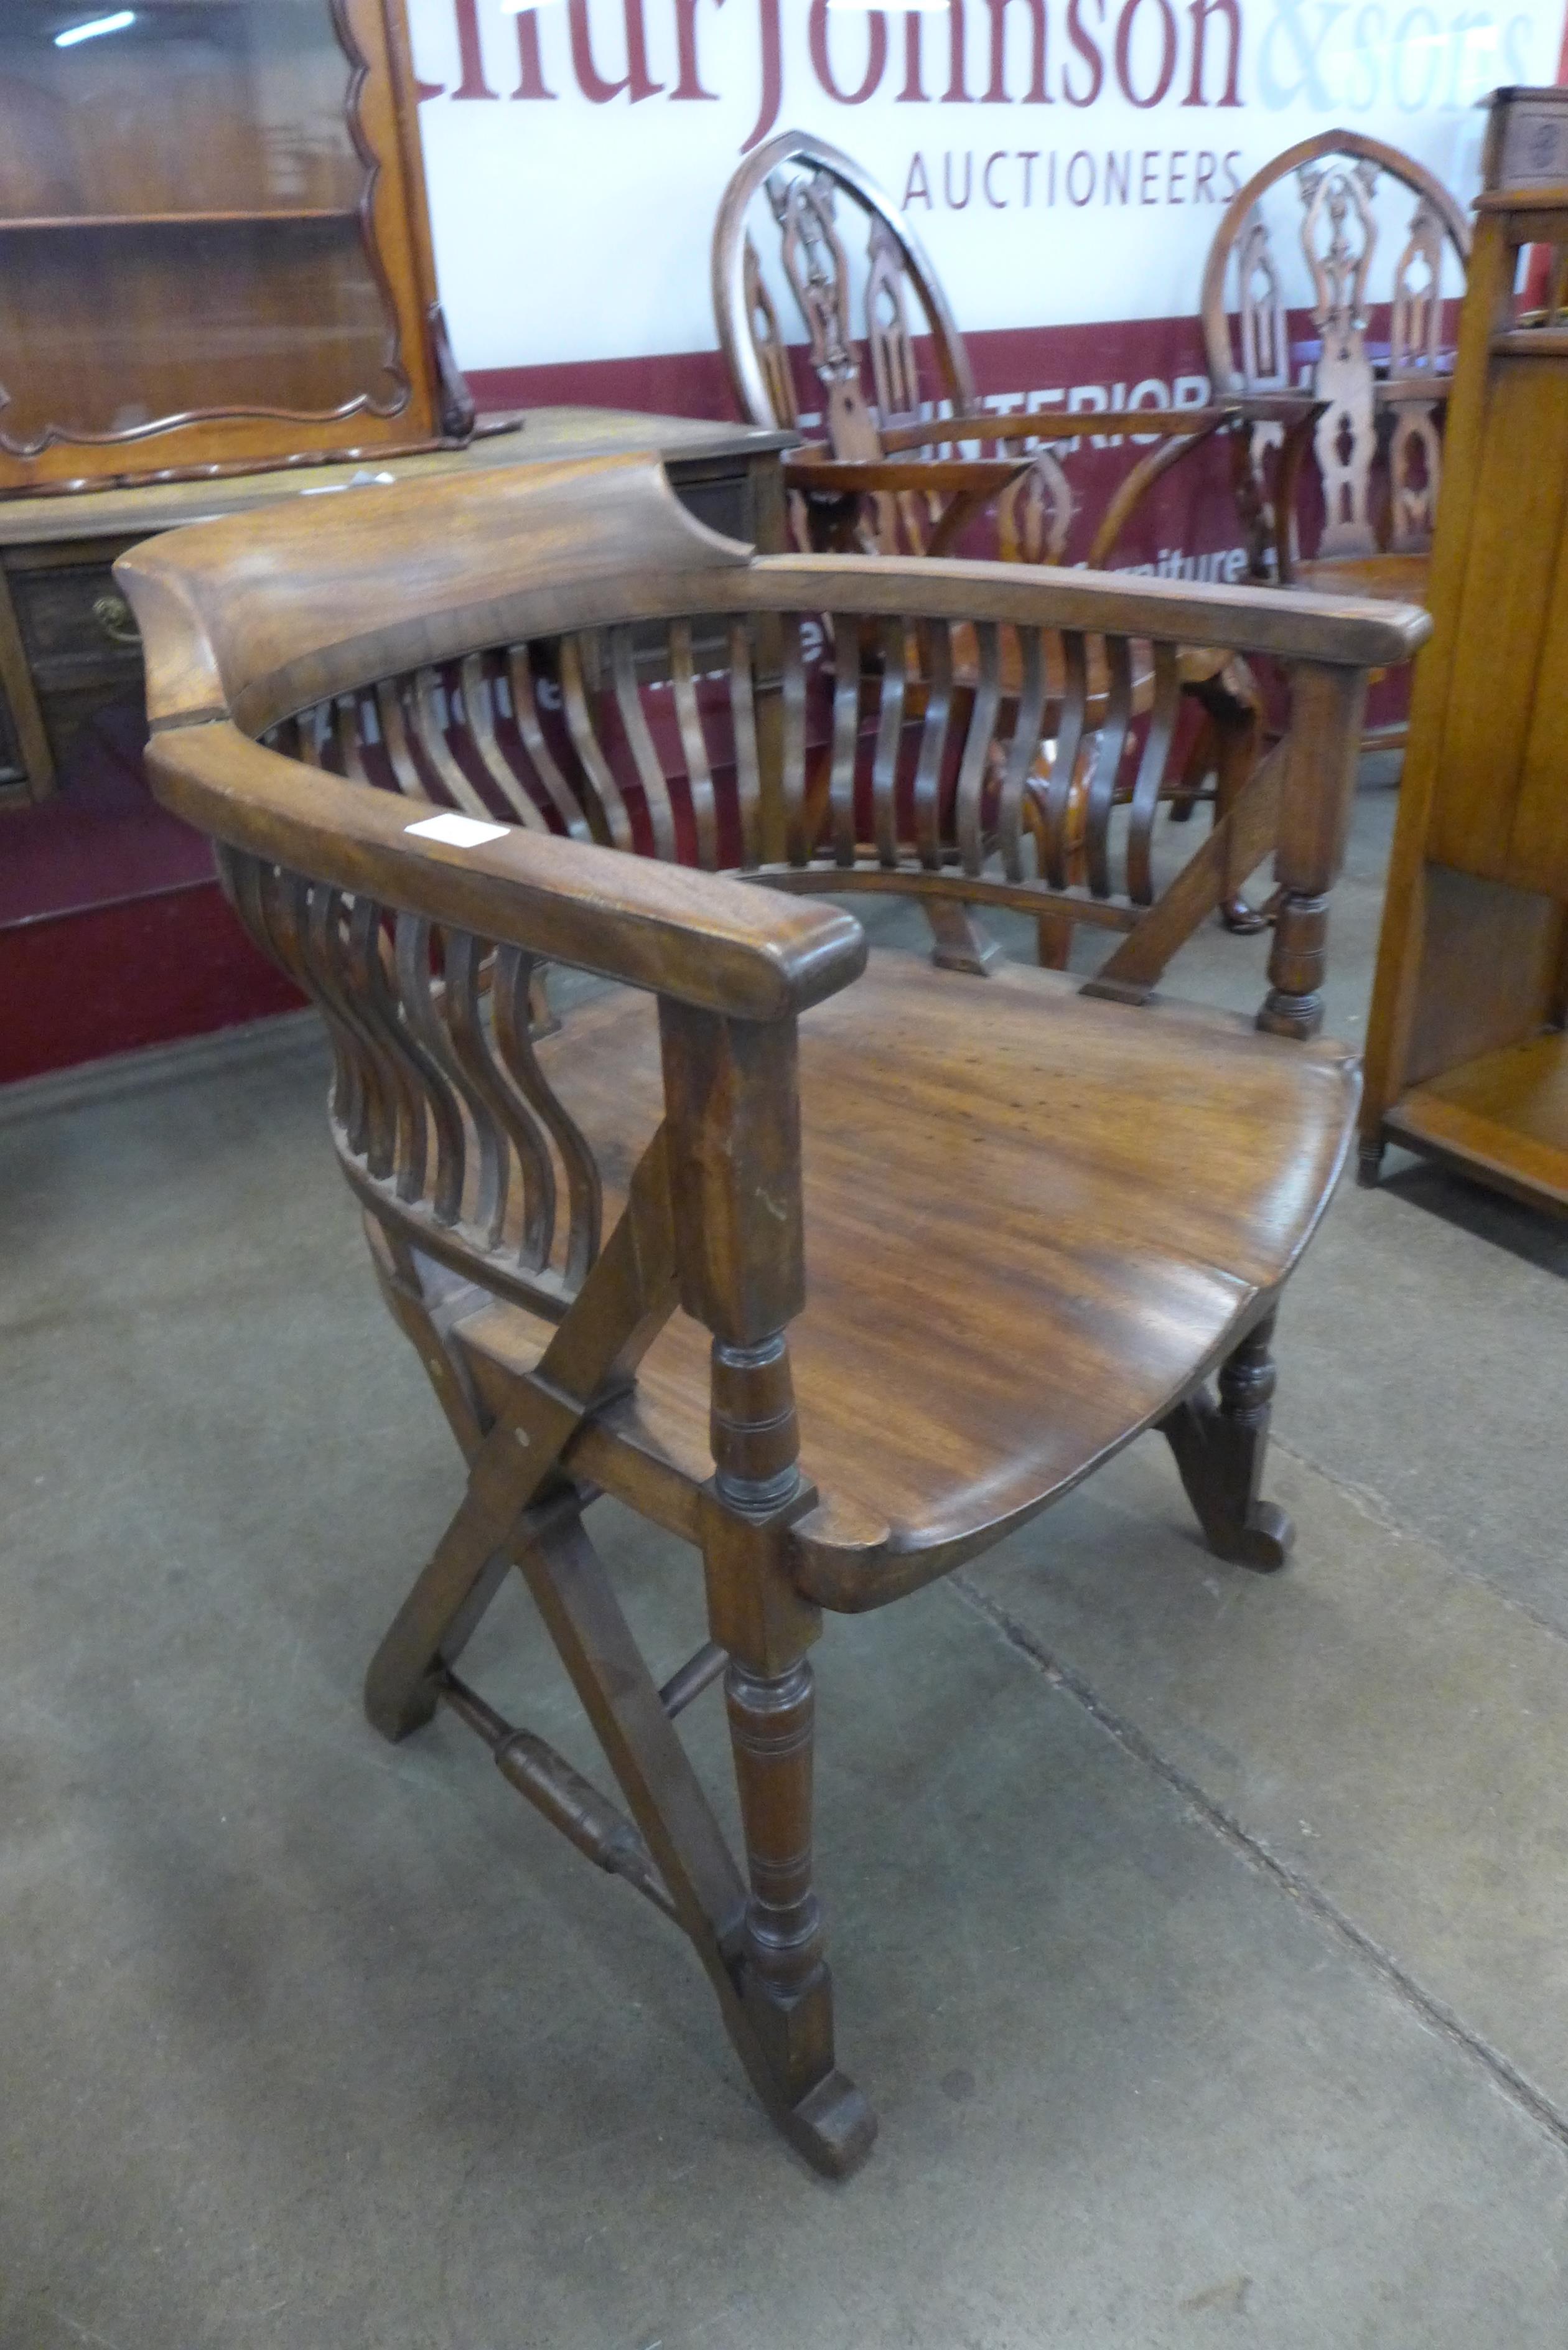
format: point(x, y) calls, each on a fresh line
point(113, 616)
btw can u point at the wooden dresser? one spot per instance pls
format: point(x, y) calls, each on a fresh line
point(68, 647)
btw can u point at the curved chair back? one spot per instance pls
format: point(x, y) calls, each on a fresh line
point(1375, 349)
point(860, 280)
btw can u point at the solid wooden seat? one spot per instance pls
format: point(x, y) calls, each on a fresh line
point(835, 1265)
point(1003, 1292)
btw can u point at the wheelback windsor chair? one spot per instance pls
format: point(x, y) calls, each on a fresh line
point(712, 1246)
point(908, 461)
point(1378, 369)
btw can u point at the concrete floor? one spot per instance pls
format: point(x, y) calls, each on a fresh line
point(1202, 1940)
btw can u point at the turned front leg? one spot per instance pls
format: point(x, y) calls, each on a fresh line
point(733, 1117)
point(755, 1614)
point(785, 1982)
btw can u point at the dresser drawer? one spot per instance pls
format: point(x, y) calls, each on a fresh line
point(76, 625)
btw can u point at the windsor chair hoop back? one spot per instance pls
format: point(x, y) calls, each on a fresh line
point(1379, 369)
point(667, 1251)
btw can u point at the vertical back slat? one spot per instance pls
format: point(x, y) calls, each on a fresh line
point(396, 994)
point(367, 1116)
point(521, 685)
point(694, 745)
point(792, 776)
point(895, 652)
point(845, 734)
point(1029, 727)
point(469, 964)
point(650, 766)
point(315, 731)
point(937, 661)
point(748, 764)
point(423, 1000)
point(1070, 729)
point(479, 717)
point(429, 730)
point(970, 802)
point(614, 824)
point(393, 718)
point(514, 1044)
point(350, 724)
point(1107, 762)
point(358, 949)
point(1157, 745)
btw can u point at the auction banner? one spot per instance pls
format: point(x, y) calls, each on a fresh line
point(1063, 161)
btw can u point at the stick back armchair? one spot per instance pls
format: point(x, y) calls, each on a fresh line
point(836, 1265)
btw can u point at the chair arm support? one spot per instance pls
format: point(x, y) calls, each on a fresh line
point(716, 945)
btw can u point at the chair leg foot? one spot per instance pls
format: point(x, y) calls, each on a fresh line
point(960, 940)
point(397, 1710)
point(1219, 1451)
point(833, 2127)
point(1369, 1162)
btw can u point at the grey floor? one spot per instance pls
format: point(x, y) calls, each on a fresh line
point(1201, 1939)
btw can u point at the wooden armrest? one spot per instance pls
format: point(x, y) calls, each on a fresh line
point(983, 477)
point(713, 945)
point(1120, 423)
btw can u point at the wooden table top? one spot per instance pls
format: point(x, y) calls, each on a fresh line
point(545, 434)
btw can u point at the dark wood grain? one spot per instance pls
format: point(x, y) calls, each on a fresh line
point(837, 1266)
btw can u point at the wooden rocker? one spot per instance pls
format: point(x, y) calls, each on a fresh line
point(837, 1265)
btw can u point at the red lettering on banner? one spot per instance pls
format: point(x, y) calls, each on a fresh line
point(1200, 12)
point(914, 90)
point(772, 74)
point(1095, 56)
point(470, 53)
point(822, 63)
point(1078, 34)
point(997, 94)
point(590, 81)
point(530, 71)
point(690, 83)
point(1166, 73)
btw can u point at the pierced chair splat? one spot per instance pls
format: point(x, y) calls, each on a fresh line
point(666, 1251)
point(1369, 259)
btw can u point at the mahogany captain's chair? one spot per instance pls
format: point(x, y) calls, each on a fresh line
point(667, 1252)
point(908, 460)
